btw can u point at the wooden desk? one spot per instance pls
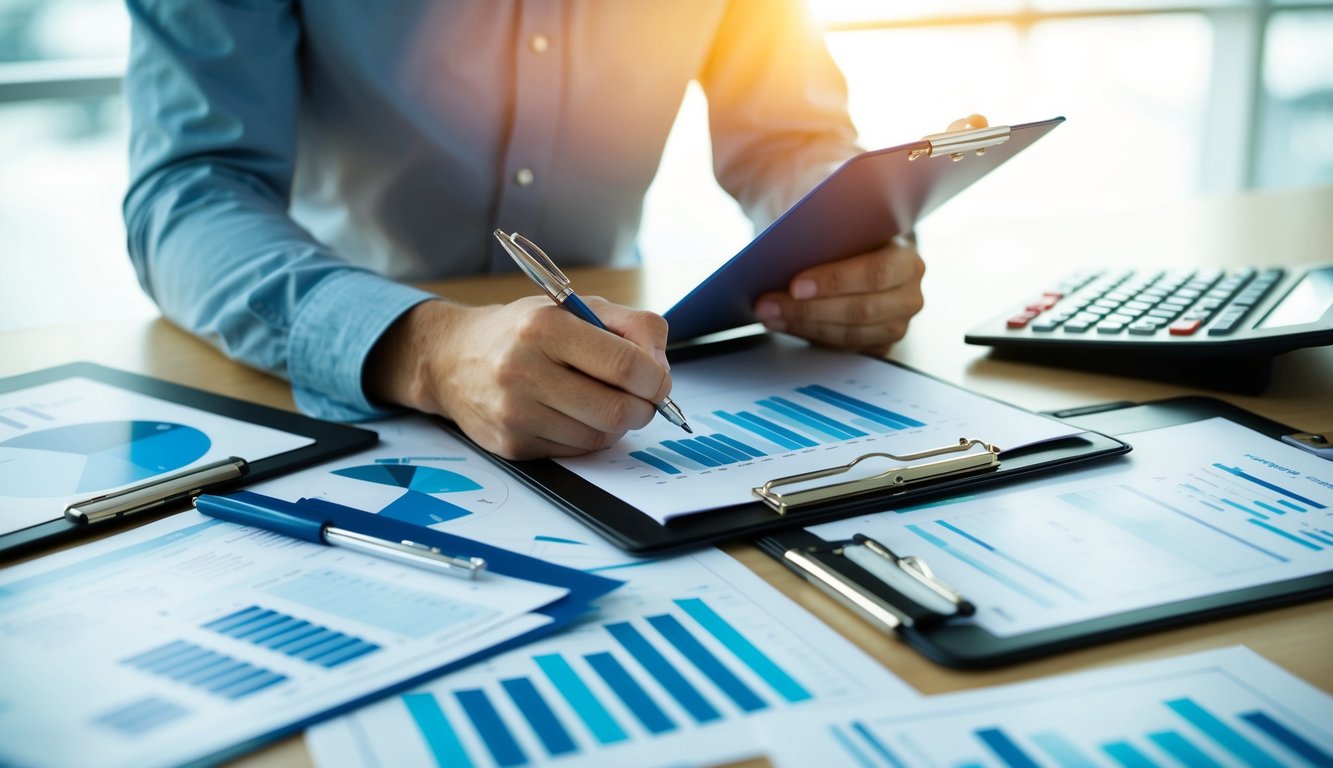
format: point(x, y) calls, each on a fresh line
point(976, 269)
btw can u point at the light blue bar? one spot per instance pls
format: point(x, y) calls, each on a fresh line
point(1004, 748)
point(501, 743)
point(239, 675)
point(1183, 750)
point(1064, 753)
point(336, 644)
point(1124, 753)
point(851, 747)
point(630, 692)
point(758, 429)
point(846, 429)
point(690, 452)
point(747, 652)
point(234, 619)
point(1291, 506)
point(878, 746)
point(663, 672)
point(794, 425)
point(435, 730)
point(296, 646)
point(800, 440)
point(1244, 508)
point(873, 426)
point(182, 663)
point(1286, 535)
point(1270, 508)
point(1316, 537)
point(977, 564)
point(539, 715)
point(153, 655)
point(354, 651)
point(603, 726)
point(283, 629)
point(951, 527)
point(718, 446)
point(1310, 751)
point(861, 407)
point(738, 445)
point(1221, 733)
point(674, 458)
point(209, 665)
point(653, 461)
point(703, 449)
point(747, 436)
point(704, 660)
point(303, 630)
point(253, 685)
point(1211, 505)
point(264, 617)
point(1238, 472)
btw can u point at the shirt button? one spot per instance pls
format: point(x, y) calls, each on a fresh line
point(539, 43)
point(524, 177)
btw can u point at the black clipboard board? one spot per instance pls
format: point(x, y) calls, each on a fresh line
point(968, 645)
point(869, 199)
point(329, 440)
point(636, 532)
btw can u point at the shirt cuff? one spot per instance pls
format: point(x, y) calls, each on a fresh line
point(338, 323)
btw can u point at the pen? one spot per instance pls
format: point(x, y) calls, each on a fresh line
point(538, 266)
point(270, 518)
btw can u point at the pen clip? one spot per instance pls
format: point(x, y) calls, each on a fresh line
point(919, 570)
point(156, 491)
point(538, 266)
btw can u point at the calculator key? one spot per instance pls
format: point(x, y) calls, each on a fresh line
point(1020, 320)
point(1143, 328)
point(1184, 327)
point(1108, 328)
point(1077, 326)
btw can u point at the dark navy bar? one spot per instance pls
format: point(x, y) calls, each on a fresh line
point(499, 740)
point(657, 665)
point(540, 716)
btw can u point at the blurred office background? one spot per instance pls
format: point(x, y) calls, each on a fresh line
point(1165, 99)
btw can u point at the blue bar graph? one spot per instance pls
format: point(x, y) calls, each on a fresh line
point(666, 675)
point(630, 692)
point(503, 748)
point(653, 461)
point(544, 721)
point(1222, 734)
point(692, 451)
point(391, 607)
point(1062, 751)
point(813, 419)
point(1311, 753)
point(1291, 506)
point(766, 429)
point(1289, 537)
point(603, 726)
point(1242, 474)
point(435, 729)
point(860, 407)
point(199, 667)
point(1127, 755)
point(1183, 750)
point(291, 636)
point(704, 660)
point(142, 715)
point(746, 651)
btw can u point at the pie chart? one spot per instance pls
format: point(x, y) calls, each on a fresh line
point(418, 502)
point(95, 456)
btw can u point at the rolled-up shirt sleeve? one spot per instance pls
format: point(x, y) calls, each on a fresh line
point(214, 93)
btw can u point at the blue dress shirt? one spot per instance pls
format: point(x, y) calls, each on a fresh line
point(295, 164)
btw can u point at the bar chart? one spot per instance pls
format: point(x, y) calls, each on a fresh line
point(208, 670)
point(1203, 717)
point(677, 663)
point(291, 636)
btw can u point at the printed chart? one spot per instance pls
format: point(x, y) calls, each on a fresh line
point(680, 660)
point(1222, 708)
point(1194, 510)
point(782, 410)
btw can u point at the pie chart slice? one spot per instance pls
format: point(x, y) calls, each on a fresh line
point(417, 505)
point(96, 456)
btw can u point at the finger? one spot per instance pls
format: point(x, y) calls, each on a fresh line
point(879, 270)
point(889, 306)
point(601, 355)
point(646, 329)
point(969, 123)
point(592, 404)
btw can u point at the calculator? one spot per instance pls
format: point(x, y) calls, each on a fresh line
point(1206, 312)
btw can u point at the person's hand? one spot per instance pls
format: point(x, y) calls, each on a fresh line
point(528, 379)
point(861, 303)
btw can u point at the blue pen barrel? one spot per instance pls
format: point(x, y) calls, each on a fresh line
point(574, 304)
point(269, 518)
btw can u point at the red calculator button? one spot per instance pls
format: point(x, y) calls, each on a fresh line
point(1184, 327)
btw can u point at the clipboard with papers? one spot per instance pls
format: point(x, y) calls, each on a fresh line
point(788, 434)
point(84, 446)
point(1214, 513)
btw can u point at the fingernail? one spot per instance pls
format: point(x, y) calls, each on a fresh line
point(804, 289)
point(768, 310)
point(660, 354)
point(776, 324)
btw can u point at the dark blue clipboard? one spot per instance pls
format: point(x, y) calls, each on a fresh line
point(330, 441)
point(860, 207)
point(969, 646)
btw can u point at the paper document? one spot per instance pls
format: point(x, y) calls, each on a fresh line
point(71, 440)
point(677, 665)
point(788, 408)
point(1193, 510)
point(1218, 708)
point(170, 642)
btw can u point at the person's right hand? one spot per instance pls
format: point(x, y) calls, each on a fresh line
point(527, 379)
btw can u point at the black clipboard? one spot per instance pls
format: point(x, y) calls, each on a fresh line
point(931, 630)
point(329, 440)
point(869, 199)
point(636, 532)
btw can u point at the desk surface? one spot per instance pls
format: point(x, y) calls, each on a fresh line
point(975, 270)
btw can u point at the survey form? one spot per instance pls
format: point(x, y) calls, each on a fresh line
point(1216, 708)
point(1197, 509)
point(787, 408)
point(187, 636)
point(672, 670)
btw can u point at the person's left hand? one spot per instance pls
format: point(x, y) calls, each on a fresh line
point(860, 303)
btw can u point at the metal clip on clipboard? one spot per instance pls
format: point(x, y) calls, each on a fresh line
point(956, 144)
point(893, 477)
point(907, 594)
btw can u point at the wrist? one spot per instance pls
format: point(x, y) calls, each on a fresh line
point(401, 368)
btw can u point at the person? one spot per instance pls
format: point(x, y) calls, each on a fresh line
point(295, 166)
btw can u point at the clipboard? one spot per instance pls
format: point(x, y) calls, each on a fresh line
point(965, 462)
point(94, 511)
point(860, 207)
point(902, 596)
